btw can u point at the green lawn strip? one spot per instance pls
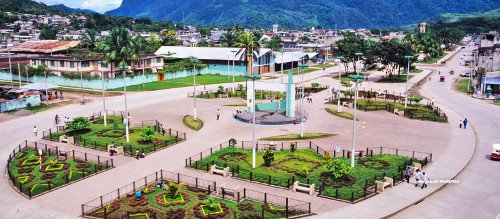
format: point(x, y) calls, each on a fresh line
point(95, 138)
point(416, 70)
point(38, 185)
point(259, 95)
point(344, 75)
point(191, 123)
point(395, 79)
point(183, 82)
point(497, 100)
point(306, 70)
point(287, 165)
point(323, 65)
point(433, 60)
point(344, 115)
point(188, 205)
point(291, 137)
point(236, 104)
point(461, 85)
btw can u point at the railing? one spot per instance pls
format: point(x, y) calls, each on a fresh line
point(292, 207)
point(129, 150)
point(343, 194)
point(29, 192)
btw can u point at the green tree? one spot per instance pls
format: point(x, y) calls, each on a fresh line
point(205, 31)
point(119, 48)
point(249, 49)
point(268, 158)
point(273, 44)
point(147, 134)
point(78, 124)
point(203, 43)
point(230, 38)
point(348, 47)
point(90, 39)
point(48, 33)
point(338, 168)
point(169, 38)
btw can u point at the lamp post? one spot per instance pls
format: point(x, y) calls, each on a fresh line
point(253, 77)
point(234, 56)
point(123, 69)
point(356, 78)
point(358, 54)
point(408, 58)
point(10, 71)
point(103, 91)
point(194, 61)
point(338, 90)
point(302, 66)
point(282, 60)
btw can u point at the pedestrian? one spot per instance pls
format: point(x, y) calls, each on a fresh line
point(56, 120)
point(218, 114)
point(425, 180)
point(61, 95)
point(465, 123)
point(439, 72)
point(35, 131)
point(418, 177)
point(237, 109)
point(460, 124)
point(429, 78)
point(407, 174)
point(432, 101)
point(163, 131)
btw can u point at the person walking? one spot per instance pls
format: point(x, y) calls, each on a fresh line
point(418, 177)
point(460, 124)
point(56, 119)
point(35, 131)
point(218, 114)
point(425, 180)
point(465, 123)
point(407, 174)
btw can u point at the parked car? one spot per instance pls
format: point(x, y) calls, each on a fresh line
point(467, 74)
point(495, 153)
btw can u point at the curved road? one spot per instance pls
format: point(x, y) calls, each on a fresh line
point(477, 195)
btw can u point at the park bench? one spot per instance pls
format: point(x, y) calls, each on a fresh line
point(224, 171)
point(223, 192)
point(414, 167)
point(381, 184)
point(399, 112)
point(62, 155)
point(348, 105)
point(119, 149)
point(358, 153)
point(303, 187)
point(67, 139)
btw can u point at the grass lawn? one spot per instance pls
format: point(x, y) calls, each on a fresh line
point(92, 92)
point(461, 85)
point(497, 100)
point(306, 70)
point(259, 95)
point(99, 136)
point(416, 70)
point(293, 137)
point(395, 79)
point(305, 165)
point(188, 202)
point(193, 124)
point(344, 115)
point(35, 178)
point(184, 82)
point(344, 75)
point(415, 111)
point(433, 60)
point(236, 104)
point(323, 65)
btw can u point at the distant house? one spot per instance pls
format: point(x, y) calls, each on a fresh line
point(219, 58)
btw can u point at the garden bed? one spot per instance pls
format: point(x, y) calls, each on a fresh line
point(293, 137)
point(307, 166)
point(32, 174)
point(193, 124)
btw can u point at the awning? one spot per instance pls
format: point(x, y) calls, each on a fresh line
point(39, 86)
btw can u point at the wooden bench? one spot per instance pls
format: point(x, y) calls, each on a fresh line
point(66, 139)
point(235, 193)
point(399, 112)
point(414, 167)
point(348, 105)
point(119, 149)
point(62, 155)
point(224, 171)
point(387, 181)
point(301, 187)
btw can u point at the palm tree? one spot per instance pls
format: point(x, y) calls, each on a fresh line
point(230, 38)
point(90, 39)
point(249, 48)
point(119, 47)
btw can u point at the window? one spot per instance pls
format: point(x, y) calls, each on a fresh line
point(33, 62)
point(148, 62)
point(43, 62)
point(85, 64)
point(52, 63)
point(61, 63)
point(104, 65)
point(72, 64)
point(158, 60)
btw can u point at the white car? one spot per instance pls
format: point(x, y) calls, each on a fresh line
point(495, 153)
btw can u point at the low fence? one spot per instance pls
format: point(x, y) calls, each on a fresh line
point(129, 150)
point(30, 192)
point(343, 194)
point(291, 206)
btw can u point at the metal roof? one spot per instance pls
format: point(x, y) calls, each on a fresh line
point(42, 46)
point(205, 53)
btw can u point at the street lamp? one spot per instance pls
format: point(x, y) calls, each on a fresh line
point(194, 60)
point(101, 63)
point(302, 66)
point(358, 54)
point(10, 70)
point(234, 56)
point(408, 58)
point(253, 77)
point(282, 61)
point(356, 78)
point(338, 90)
point(123, 68)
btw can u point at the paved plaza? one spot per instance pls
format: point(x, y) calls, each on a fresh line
point(457, 153)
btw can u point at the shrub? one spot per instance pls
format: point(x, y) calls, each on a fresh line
point(232, 142)
point(415, 99)
point(315, 85)
point(268, 158)
point(220, 89)
point(339, 168)
point(210, 203)
point(147, 134)
point(172, 190)
point(304, 171)
point(78, 123)
point(240, 86)
point(327, 156)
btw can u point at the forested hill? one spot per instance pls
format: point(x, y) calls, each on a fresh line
point(300, 13)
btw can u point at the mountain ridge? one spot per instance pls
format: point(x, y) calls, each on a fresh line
point(63, 7)
point(299, 14)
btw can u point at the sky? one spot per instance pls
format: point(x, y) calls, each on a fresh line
point(95, 5)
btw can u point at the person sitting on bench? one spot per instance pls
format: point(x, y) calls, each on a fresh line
point(138, 194)
point(159, 184)
point(112, 151)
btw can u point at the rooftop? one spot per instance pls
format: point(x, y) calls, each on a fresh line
point(42, 46)
point(204, 53)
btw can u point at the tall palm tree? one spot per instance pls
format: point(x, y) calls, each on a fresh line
point(119, 48)
point(249, 48)
point(90, 39)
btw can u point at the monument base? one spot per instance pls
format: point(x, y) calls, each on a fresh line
point(268, 118)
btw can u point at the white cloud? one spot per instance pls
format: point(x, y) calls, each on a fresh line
point(96, 5)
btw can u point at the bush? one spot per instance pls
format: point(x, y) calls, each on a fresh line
point(147, 134)
point(327, 156)
point(220, 89)
point(78, 123)
point(339, 168)
point(172, 190)
point(268, 158)
point(315, 85)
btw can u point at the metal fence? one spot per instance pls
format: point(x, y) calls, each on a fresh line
point(129, 150)
point(292, 207)
point(102, 164)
